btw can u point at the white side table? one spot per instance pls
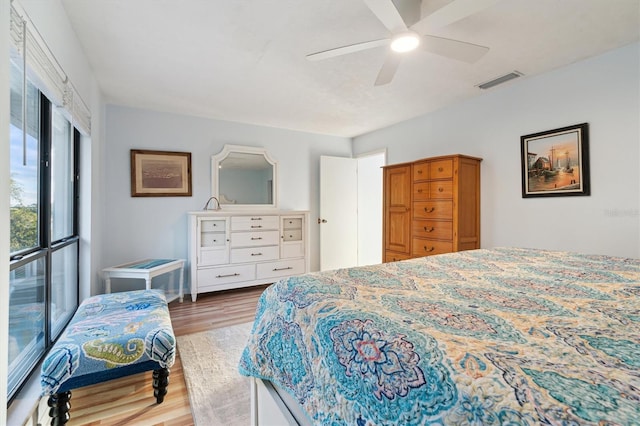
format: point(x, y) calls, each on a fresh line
point(146, 270)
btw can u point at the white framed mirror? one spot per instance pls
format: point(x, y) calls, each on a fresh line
point(244, 177)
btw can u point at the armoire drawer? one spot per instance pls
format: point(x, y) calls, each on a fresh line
point(441, 169)
point(394, 256)
point(441, 189)
point(255, 238)
point(282, 268)
point(254, 254)
point(420, 171)
point(425, 247)
point(421, 191)
point(253, 223)
point(439, 230)
point(433, 209)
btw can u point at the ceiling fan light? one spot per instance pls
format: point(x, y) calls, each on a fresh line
point(405, 42)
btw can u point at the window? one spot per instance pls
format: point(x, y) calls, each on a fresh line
point(43, 231)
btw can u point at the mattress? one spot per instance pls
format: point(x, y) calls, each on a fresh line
point(492, 336)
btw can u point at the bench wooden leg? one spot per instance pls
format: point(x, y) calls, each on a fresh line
point(160, 383)
point(59, 406)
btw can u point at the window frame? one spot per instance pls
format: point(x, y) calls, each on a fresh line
point(46, 248)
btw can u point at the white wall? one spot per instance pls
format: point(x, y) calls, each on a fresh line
point(143, 227)
point(602, 91)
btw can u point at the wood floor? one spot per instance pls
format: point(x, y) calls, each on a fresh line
point(130, 401)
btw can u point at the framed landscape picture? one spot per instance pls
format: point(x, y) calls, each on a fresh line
point(160, 173)
point(556, 162)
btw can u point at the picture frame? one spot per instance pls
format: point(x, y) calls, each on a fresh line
point(160, 173)
point(555, 163)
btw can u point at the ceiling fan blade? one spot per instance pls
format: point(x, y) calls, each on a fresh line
point(453, 12)
point(339, 51)
point(455, 49)
point(387, 13)
point(388, 69)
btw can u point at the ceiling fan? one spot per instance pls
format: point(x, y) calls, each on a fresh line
point(406, 38)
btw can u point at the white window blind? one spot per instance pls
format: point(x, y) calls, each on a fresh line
point(45, 71)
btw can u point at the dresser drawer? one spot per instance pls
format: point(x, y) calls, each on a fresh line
point(213, 239)
point(433, 210)
point(441, 189)
point(282, 268)
point(292, 223)
point(213, 225)
point(254, 254)
point(213, 256)
point(252, 239)
point(441, 169)
point(226, 275)
point(252, 223)
point(420, 171)
point(292, 235)
point(432, 229)
point(425, 247)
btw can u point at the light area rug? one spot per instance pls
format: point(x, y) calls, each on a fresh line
point(218, 394)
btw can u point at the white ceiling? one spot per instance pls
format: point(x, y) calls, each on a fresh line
point(244, 60)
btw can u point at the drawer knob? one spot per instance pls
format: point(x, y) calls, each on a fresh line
point(255, 238)
point(256, 254)
point(440, 189)
point(256, 226)
point(256, 218)
point(420, 190)
point(440, 169)
point(419, 171)
point(428, 229)
point(429, 250)
point(431, 210)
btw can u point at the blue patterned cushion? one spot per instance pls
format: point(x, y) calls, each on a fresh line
point(111, 336)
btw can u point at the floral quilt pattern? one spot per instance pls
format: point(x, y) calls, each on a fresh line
point(481, 337)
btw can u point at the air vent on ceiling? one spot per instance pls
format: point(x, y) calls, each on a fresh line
point(500, 80)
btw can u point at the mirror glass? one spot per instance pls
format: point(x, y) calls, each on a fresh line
point(244, 176)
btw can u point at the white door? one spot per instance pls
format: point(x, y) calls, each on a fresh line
point(370, 208)
point(338, 212)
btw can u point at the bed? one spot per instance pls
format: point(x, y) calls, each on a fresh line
point(490, 336)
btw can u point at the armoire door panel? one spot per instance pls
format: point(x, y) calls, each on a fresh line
point(398, 231)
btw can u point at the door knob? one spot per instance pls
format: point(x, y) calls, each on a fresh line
point(321, 221)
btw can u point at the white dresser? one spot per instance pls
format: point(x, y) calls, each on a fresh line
point(237, 249)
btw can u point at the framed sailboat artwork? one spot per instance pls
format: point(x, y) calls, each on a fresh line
point(556, 162)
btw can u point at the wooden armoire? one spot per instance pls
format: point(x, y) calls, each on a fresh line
point(431, 206)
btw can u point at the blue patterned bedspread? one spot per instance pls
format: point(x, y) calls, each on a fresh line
point(482, 337)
